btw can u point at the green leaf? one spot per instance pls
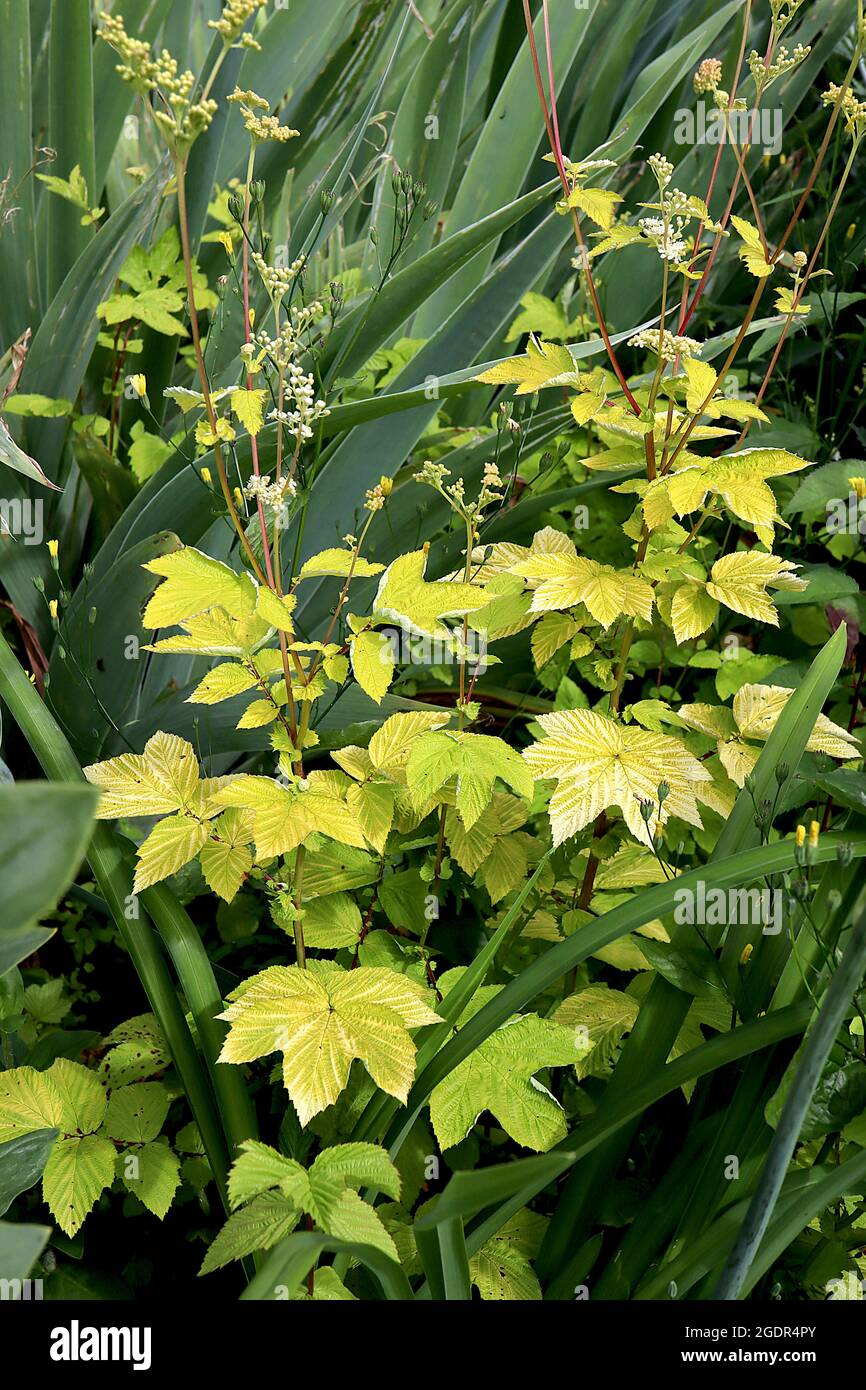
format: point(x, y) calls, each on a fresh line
point(82, 1095)
point(20, 1247)
point(499, 1077)
point(136, 1114)
point(29, 1100)
point(350, 1218)
point(70, 131)
point(77, 1171)
point(844, 983)
point(43, 406)
point(164, 778)
point(333, 922)
point(259, 1168)
point(692, 970)
point(16, 459)
point(136, 1050)
point(359, 1165)
point(405, 597)
point(373, 663)
point(501, 1269)
point(601, 1017)
point(21, 1163)
point(258, 1226)
point(172, 843)
point(19, 287)
point(64, 341)
point(193, 583)
point(249, 407)
point(152, 1174)
point(476, 760)
point(225, 863)
point(321, 1019)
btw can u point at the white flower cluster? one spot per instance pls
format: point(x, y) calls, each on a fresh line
point(669, 348)
point(286, 346)
point(271, 495)
point(666, 239)
point(278, 280)
point(662, 169)
point(300, 388)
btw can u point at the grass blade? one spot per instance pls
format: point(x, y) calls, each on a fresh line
point(19, 274)
point(845, 981)
point(70, 129)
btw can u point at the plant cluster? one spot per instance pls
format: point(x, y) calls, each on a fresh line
point(450, 708)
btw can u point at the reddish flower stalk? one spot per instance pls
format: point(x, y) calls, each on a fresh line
point(552, 127)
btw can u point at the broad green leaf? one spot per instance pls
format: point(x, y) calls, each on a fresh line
point(136, 1050)
point(599, 204)
point(405, 596)
point(222, 683)
point(339, 563)
point(152, 1174)
point(259, 1168)
point(391, 745)
point(499, 1077)
point(600, 1017)
point(542, 365)
point(501, 1269)
point(226, 861)
point(193, 583)
point(136, 1114)
point(599, 762)
point(82, 1094)
point(321, 1020)
point(21, 1163)
point(164, 778)
point(373, 663)
point(476, 760)
point(333, 922)
point(172, 843)
point(249, 407)
point(77, 1171)
point(29, 1100)
point(258, 1226)
point(44, 831)
point(373, 805)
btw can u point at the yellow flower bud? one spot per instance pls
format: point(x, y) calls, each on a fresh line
point(814, 832)
point(387, 485)
point(239, 497)
point(52, 607)
point(53, 547)
point(800, 836)
point(746, 952)
point(206, 475)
